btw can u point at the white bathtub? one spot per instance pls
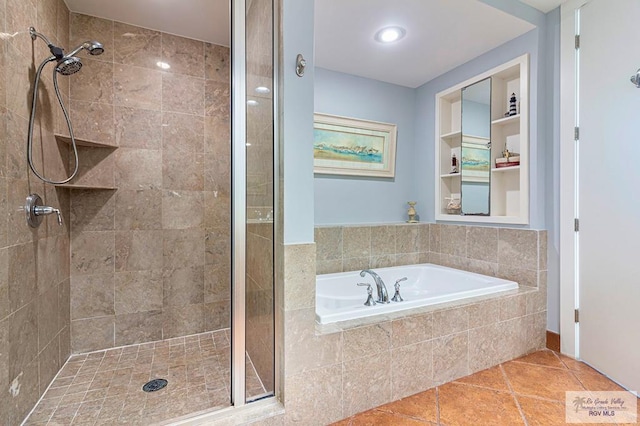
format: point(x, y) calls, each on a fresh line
point(338, 298)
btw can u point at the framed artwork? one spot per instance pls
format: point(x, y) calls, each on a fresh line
point(476, 159)
point(353, 147)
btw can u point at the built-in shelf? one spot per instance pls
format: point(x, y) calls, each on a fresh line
point(451, 135)
point(84, 142)
point(505, 169)
point(72, 186)
point(506, 120)
point(508, 190)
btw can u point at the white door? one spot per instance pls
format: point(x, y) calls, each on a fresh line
point(609, 190)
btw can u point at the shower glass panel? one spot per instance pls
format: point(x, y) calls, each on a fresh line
point(260, 200)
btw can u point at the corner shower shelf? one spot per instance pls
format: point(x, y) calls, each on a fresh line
point(73, 186)
point(84, 142)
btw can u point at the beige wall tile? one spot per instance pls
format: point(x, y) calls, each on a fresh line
point(93, 253)
point(450, 321)
point(92, 334)
point(217, 104)
point(138, 291)
point(138, 168)
point(484, 313)
point(181, 93)
point(137, 128)
point(217, 63)
point(303, 348)
point(413, 329)
point(183, 320)
point(542, 250)
point(137, 87)
point(355, 264)
point(96, 86)
point(183, 286)
point(513, 307)
point(357, 241)
point(451, 357)
point(186, 56)
point(383, 240)
point(332, 266)
point(482, 243)
point(138, 250)
point(411, 370)
point(424, 238)
point(453, 240)
point(138, 209)
point(383, 261)
point(23, 329)
point(92, 210)
point(407, 259)
point(521, 276)
point(92, 121)
point(22, 276)
point(328, 243)
point(217, 283)
point(407, 239)
point(361, 388)
point(136, 46)
point(518, 248)
point(366, 341)
point(92, 296)
point(138, 328)
point(217, 315)
point(325, 406)
point(300, 276)
point(182, 210)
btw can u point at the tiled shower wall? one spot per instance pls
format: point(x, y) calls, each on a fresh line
point(149, 260)
point(34, 264)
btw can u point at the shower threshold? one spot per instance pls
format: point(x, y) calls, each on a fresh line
point(105, 387)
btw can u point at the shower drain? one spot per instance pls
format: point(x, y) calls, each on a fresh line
point(154, 385)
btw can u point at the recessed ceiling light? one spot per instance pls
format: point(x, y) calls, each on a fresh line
point(390, 34)
point(262, 89)
point(163, 65)
point(252, 102)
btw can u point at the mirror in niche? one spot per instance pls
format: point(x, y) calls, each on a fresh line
point(475, 167)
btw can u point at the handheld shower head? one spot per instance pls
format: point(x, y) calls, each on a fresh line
point(69, 65)
point(93, 47)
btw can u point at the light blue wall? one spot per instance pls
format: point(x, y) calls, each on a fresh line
point(296, 123)
point(352, 200)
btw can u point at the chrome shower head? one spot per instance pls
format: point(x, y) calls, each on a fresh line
point(69, 65)
point(94, 47)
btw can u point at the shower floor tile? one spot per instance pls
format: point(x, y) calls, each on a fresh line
point(105, 387)
point(526, 391)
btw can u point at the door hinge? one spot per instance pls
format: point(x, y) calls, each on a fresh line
point(576, 133)
point(576, 315)
point(577, 41)
point(576, 224)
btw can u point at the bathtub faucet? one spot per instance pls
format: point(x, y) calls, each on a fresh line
point(383, 296)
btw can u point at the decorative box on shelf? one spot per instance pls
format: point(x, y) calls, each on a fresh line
point(511, 161)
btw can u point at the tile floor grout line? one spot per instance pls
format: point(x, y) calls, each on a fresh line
point(513, 395)
point(438, 405)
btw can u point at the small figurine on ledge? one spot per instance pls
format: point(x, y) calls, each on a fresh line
point(513, 109)
point(412, 212)
point(454, 164)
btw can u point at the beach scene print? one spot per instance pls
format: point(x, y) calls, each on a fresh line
point(338, 145)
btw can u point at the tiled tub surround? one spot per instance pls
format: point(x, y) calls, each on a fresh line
point(105, 387)
point(333, 372)
point(149, 261)
point(34, 263)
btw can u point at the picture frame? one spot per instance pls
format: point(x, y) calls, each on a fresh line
point(353, 147)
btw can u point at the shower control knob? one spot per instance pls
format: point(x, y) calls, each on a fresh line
point(36, 211)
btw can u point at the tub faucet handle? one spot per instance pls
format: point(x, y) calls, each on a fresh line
point(396, 297)
point(370, 301)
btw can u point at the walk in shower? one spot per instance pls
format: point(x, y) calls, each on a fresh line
point(154, 299)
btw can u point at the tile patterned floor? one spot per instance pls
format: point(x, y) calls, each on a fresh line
point(105, 388)
point(527, 391)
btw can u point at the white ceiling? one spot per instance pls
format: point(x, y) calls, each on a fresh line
point(544, 5)
point(441, 34)
point(206, 20)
